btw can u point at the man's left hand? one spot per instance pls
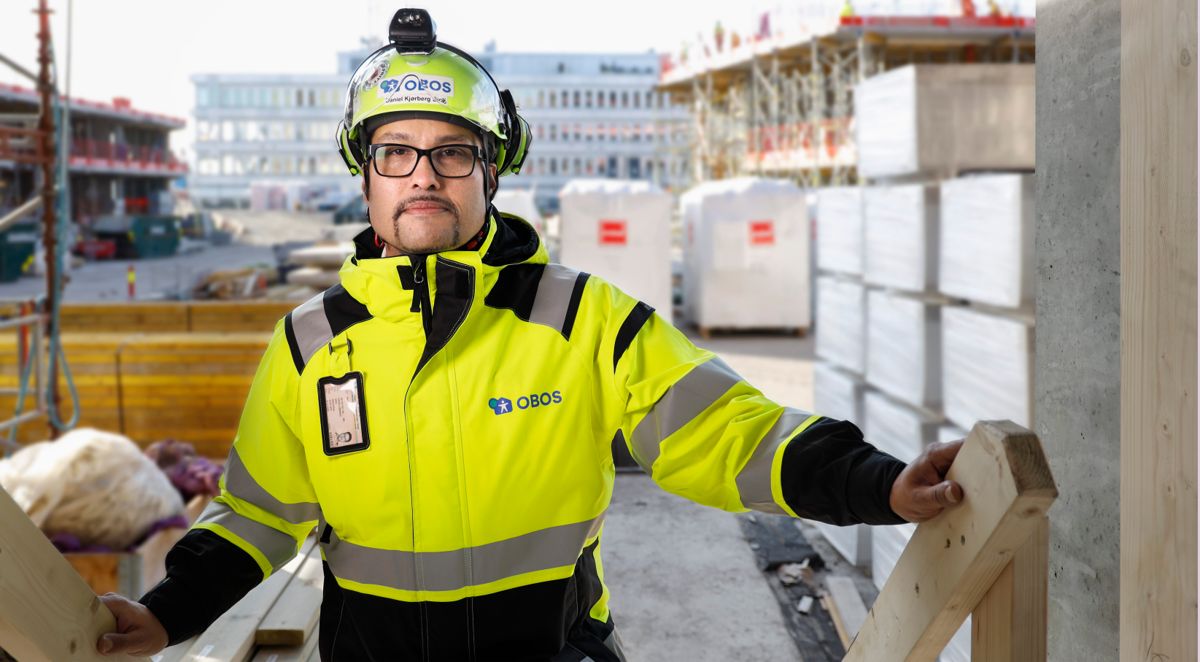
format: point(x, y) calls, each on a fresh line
point(921, 491)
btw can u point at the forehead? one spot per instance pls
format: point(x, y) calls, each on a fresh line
point(422, 131)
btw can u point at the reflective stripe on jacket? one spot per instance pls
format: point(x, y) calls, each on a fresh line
point(466, 524)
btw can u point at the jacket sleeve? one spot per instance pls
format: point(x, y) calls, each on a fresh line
point(266, 508)
point(702, 432)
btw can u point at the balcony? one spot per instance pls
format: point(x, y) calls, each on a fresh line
point(102, 156)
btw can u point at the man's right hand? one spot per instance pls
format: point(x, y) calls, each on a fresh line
point(138, 630)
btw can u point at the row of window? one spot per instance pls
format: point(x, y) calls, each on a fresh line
point(246, 96)
point(325, 164)
point(590, 98)
point(579, 132)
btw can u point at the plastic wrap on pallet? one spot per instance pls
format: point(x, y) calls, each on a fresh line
point(520, 202)
point(841, 317)
point(987, 365)
point(987, 239)
point(895, 428)
point(887, 543)
point(852, 542)
point(901, 236)
point(620, 231)
point(746, 254)
point(840, 230)
point(904, 348)
point(837, 393)
point(950, 432)
point(943, 118)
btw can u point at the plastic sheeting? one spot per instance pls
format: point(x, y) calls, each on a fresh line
point(841, 317)
point(520, 202)
point(746, 254)
point(904, 348)
point(887, 543)
point(901, 236)
point(987, 367)
point(837, 393)
point(840, 230)
point(945, 118)
point(987, 239)
point(895, 428)
point(620, 231)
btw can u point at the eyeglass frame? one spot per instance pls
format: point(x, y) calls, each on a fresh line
point(476, 152)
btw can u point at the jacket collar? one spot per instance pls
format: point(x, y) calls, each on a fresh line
point(384, 285)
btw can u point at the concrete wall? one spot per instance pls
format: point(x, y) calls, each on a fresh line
point(1078, 368)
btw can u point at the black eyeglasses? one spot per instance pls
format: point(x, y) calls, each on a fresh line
point(453, 161)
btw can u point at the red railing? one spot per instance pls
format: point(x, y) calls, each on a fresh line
point(87, 152)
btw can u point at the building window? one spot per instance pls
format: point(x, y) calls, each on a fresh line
point(575, 100)
point(624, 99)
point(299, 98)
point(587, 101)
point(577, 133)
point(553, 166)
point(541, 132)
point(600, 99)
point(600, 132)
point(637, 100)
point(577, 166)
point(541, 98)
point(553, 133)
point(553, 99)
point(564, 165)
point(637, 130)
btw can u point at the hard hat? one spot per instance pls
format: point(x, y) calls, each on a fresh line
point(417, 76)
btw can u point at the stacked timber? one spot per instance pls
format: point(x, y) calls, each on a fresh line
point(317, 266)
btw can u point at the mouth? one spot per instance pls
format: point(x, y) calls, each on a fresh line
point(423, 207)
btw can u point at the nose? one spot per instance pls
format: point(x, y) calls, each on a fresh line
point(425, 177)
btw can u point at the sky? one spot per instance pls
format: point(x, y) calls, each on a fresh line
point(147, 50)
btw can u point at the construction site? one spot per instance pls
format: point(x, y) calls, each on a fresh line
point(914, 222)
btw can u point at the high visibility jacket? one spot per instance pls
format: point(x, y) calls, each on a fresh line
point(460, 513)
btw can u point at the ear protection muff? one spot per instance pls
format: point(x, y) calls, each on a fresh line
point(511, 154)
point(351, 152)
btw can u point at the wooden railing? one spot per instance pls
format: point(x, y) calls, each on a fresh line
point(987, 558)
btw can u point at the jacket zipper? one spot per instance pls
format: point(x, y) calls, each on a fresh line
point(420, 304)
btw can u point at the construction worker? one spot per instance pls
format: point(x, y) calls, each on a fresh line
point(444, 416)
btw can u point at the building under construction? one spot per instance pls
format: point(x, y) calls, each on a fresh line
point(781, 103)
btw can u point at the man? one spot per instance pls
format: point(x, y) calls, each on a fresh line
point(444, 416)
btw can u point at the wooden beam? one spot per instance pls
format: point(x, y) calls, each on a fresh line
point(47, 612)
point(846, 607)
point(1009, 623)
point(231, 637)
point(954, 559)
point(1158, 330)
point(294, 615)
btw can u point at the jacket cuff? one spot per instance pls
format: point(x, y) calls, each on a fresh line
point(830, 474)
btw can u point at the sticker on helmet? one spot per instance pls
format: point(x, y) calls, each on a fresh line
point(417, 88)
point(376, 75)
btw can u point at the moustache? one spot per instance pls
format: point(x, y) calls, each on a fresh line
point(405, 204)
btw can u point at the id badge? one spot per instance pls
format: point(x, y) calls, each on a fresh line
point(343, 413)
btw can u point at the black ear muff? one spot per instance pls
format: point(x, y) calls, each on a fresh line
point(349, 149)
point(512, 153)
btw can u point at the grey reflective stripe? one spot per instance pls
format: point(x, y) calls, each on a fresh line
point(553, 296)
point(447, 571)
point(685, 400)
point(754, 480)
point(242, 485)
point(277, 546)
point(613, 643)
point(311, 326)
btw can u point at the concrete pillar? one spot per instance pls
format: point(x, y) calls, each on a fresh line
point(1078, 367)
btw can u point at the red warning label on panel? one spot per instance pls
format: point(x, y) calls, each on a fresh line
point(613, 232)
point(762, 233)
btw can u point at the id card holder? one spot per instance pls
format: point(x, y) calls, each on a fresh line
point(343, 413)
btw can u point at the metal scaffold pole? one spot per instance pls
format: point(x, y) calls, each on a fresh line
point(48, 156)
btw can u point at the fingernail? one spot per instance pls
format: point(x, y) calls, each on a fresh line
point(950, 495)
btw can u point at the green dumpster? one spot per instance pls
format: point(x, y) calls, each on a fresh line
point(16, 249)
point(140, 236)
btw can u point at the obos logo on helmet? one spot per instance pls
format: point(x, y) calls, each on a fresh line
point(417, 88)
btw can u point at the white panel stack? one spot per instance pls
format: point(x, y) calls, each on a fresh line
point(944, 118)
point(904, 349)
point(840, 230)
point(746, 254)
point(519, 202)
point(987, 239)
point(987, 365)
point(620, 231)
point(896, 428)
point(841, 308)
point(901, 236)
point(838, 394)
point(887, 543)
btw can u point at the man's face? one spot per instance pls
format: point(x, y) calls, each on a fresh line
point(425, 212)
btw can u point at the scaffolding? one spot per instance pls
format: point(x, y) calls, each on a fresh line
point(787, 109)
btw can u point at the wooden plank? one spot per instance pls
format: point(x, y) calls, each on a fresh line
point(954, 559)
point(846, 607)
point(1009, 623)
point(1158, 556)
point(231, 637)
point(47, 612)
point(300, 653)
point(295, 614)
point(176, 653)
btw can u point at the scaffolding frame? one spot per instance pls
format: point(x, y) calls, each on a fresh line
point(789, 112)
